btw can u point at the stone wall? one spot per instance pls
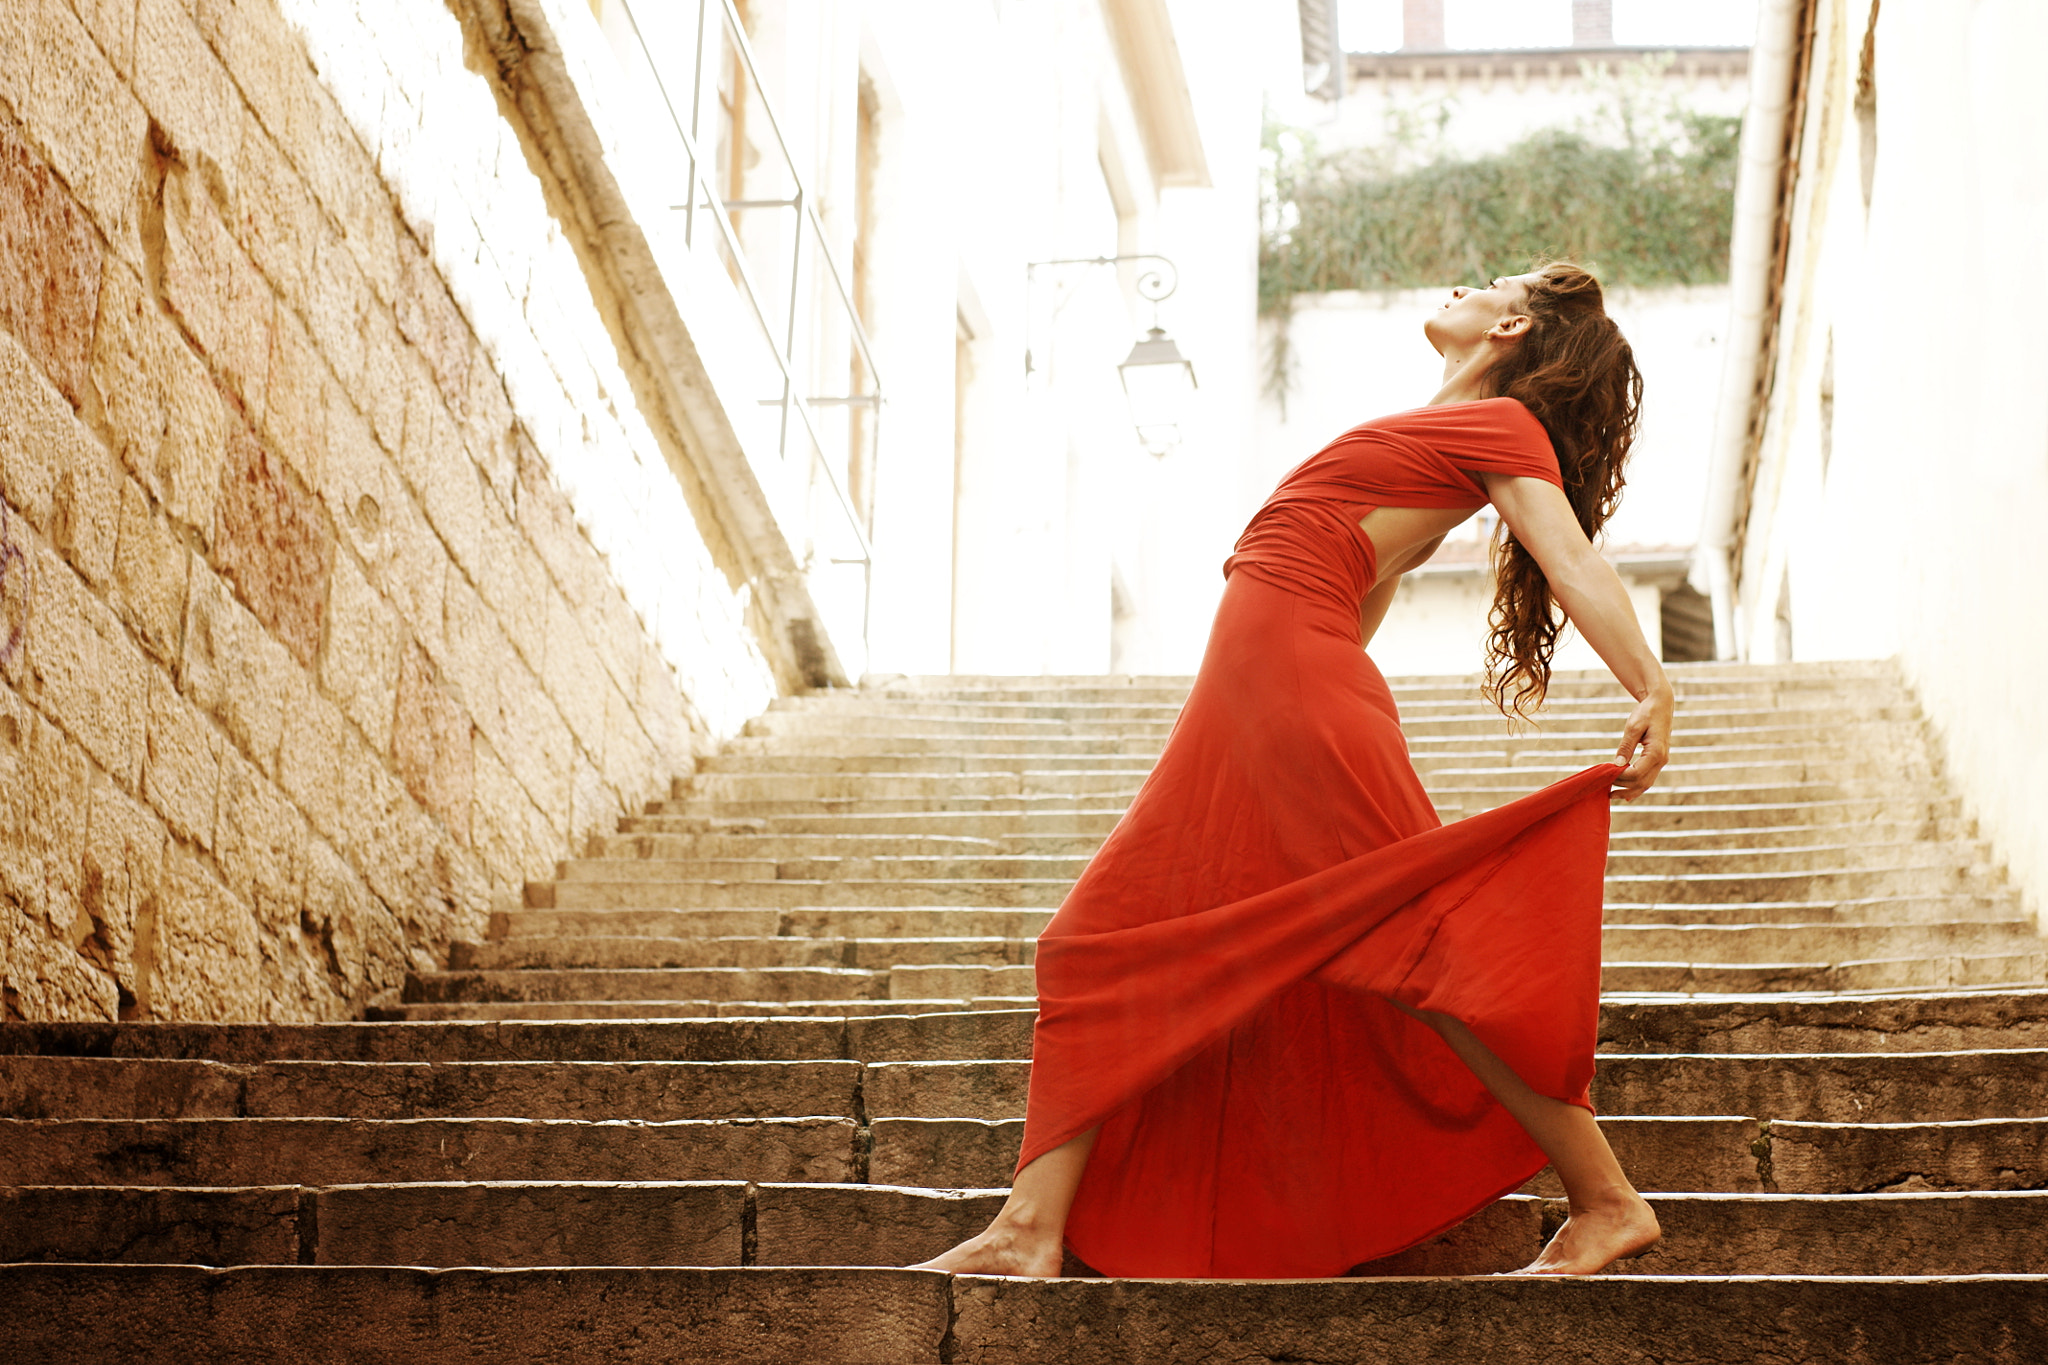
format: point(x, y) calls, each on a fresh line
point(304, 654)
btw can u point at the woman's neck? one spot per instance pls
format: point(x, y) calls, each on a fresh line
point(1468, 376)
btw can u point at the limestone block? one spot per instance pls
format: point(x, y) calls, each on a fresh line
point(630, 762)
point(514, 583)
point(574, 678)
point(40, 437)
point(272, 543)
point(222, 299)
point(673, 725)
point(85, 515)
point(50, 262)
point(151, 570)
point(474, 650)
point(594, 805)
point(75, 105)
point(112, 26)
point(282, 223)
point(499, 818)
point(84, 671)
point(432, 740)
point(413, 573)
point(620, 641)
point(529, 733)
point(335, 311)
point(309, 759)
point(17, 595)
point(487, 425)
point(382, 396)
point(207, 961)
point(187, 91)
point(345, 935)
point(181, 776)
point(359, 668)
point(262, 57)
point(234, 670)
point(450, 492)
point(261, 849)
point(296, 390)
point(429, 319)
point(21, 853)
point(549, 523)
point(359, 483)
point(43, 977)
point(123, 869)
point(161, 408)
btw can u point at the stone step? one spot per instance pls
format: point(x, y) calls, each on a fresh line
point(586, 944)
point(1418, 721)
point(1910, 1087)
point(1695, 943)
point(1906, 1087)
point(702, 1223)
point(162, 1088)
point(864, 922)
point(1946, 1021)
point(841, 754)
point(1698, 1154)
point(1041, 818)
point(342, 1151)
point(647, 891)
point(149, 1314)
point(1687, 1154)
point(1794, 839)
point(2001, 908)
point(1932, 831)
point(637, 951)
point(972, 982)
point(683, 1010)
point(980, 863)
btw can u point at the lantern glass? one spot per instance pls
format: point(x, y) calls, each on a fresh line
point(1160, 383)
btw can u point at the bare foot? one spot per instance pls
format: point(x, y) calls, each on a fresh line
point(1593, 1239)
point(1000, 1251)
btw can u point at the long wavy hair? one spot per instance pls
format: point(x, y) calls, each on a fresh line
point(1575, 371)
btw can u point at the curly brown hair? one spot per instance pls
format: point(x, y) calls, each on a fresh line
point(1575, 371)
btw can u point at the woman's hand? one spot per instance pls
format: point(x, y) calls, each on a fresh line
point(1645, 744)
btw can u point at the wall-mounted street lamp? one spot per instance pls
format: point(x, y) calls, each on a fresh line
point(1158, 380)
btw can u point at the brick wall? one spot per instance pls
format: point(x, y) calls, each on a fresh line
point(305, 654)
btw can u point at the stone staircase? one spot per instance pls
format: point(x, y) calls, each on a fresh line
point(773, 1035)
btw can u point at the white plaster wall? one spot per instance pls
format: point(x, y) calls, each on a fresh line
point(463, 183)
point(1920, 535)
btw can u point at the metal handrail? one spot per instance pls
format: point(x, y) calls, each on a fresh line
point(785, 350)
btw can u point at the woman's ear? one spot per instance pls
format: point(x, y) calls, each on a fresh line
point(1513, 325)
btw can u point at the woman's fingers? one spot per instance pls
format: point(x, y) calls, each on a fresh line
point(1645, 748)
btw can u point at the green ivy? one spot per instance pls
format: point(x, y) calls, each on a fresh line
point(1655, 209)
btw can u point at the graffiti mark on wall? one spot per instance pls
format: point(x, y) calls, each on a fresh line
point(14, 594)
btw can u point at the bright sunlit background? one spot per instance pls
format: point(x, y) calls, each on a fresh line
point(1375, 25)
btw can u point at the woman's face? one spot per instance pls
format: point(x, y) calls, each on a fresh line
point(1474, 310)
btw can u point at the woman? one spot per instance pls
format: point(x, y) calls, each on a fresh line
point(1289, 1022)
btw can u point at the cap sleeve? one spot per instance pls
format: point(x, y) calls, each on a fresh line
point(1495, 436)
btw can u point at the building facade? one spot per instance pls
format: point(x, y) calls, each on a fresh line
point(1882, 463)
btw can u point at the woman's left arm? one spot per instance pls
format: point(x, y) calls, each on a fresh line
point(1597, 604)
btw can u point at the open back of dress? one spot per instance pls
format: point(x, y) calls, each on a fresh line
point(1214, 991)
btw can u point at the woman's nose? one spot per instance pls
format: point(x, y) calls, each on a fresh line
point(1460, 291)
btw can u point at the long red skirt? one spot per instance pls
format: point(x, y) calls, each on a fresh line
point(1214, 991)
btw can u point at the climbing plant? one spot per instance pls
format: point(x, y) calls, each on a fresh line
point(1641, 194)
point(1648, 205)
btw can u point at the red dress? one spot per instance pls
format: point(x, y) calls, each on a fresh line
point(1213, 992)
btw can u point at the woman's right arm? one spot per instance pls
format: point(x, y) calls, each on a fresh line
point(1597, 604)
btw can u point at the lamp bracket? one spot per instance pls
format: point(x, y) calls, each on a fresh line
point(1153, 285)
